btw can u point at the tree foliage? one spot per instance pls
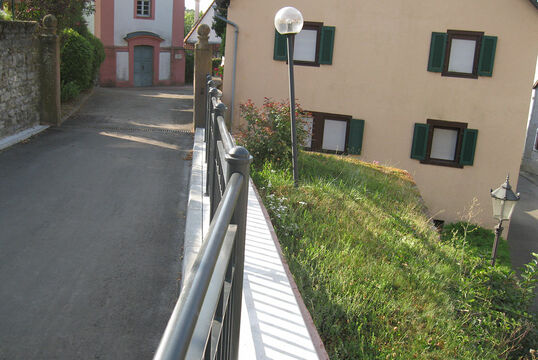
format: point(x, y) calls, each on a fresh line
point(219, 25)
point(68, 12)
point(189, 21)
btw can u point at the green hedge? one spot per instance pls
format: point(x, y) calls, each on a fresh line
point(81, 57)
point(76, 59)
point(98, 53)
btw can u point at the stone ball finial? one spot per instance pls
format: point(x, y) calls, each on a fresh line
point(50, 21)
point(203, 30)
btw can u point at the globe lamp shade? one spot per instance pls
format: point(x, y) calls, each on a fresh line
point(288, 20)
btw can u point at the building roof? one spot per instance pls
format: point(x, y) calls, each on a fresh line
point(206, 18)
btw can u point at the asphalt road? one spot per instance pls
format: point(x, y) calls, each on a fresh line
point(523, 234)
point(92, 218)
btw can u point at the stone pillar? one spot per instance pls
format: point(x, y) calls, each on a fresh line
point(49, 74)
point(202, 67)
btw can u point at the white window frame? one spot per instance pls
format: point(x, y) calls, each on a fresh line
point(143, 8)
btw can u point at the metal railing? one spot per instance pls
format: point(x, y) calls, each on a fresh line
point(206, 320)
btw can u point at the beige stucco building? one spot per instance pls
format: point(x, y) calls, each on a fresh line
point(462, 70)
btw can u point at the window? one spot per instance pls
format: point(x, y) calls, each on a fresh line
point(444, 143)
point(313, 45)
point(462, 53)
point(334, 133)
point(143, 8)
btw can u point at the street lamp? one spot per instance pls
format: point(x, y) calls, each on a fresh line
point(504, 201)
point(289, 21)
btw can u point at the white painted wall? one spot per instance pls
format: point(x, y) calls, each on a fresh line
point(164, 66)
point(124, 21)
point(122, 66)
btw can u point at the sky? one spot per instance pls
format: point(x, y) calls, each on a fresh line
point(189, 4)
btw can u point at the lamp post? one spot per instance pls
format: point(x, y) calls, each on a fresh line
point(504, 201)
point(289, 21)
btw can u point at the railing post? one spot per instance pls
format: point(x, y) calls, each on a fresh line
point(209, 85)
point(212, 93)
point(219, 110)
point(202, 67)
point(238, 160)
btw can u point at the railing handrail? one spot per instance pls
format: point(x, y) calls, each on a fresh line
point(180, 328)
point(227, 139)
point(206, 320)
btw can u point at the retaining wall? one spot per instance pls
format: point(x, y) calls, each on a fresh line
point(19, 76)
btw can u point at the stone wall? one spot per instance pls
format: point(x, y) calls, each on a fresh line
point(19, 76)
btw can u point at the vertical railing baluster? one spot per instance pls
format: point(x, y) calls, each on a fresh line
point(219, 110)
point(208, 85)
point(212, 94)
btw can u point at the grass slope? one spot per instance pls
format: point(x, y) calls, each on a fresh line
point(375, 275)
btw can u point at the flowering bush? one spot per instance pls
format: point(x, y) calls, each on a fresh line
point(267, 135)
point(218, 71)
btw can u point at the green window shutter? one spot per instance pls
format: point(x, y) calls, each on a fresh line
point(437, 52)
point(487, 55)
point(468, 146)
point(326, 45)
point(420, 141)
point(281, 47)
point(354, 138)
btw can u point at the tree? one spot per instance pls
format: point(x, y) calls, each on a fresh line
point(70, 13)
point(189, 20)
point(219, 25)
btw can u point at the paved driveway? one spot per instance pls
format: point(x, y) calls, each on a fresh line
point(523, 235)
point(91, 228)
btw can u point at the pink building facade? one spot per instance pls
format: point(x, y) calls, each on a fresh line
point(143, 42)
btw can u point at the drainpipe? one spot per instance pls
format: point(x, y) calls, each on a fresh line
point(235, 61)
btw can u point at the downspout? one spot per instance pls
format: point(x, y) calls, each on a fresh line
point(235, 61)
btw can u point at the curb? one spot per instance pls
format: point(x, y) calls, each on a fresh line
point(21, 136)
point(311, 327)
point(28, 133)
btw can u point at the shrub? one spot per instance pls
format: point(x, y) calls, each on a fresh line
point(76, 59)
point(69, 91)
point(98, 53)
point(267, 135)
point(189, 67)
point(215, 62)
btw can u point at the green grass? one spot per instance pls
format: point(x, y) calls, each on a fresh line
point(377, 278)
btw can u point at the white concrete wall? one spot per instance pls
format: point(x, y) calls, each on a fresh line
point(122, 66)
point(164, 66)
point(125, 22)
